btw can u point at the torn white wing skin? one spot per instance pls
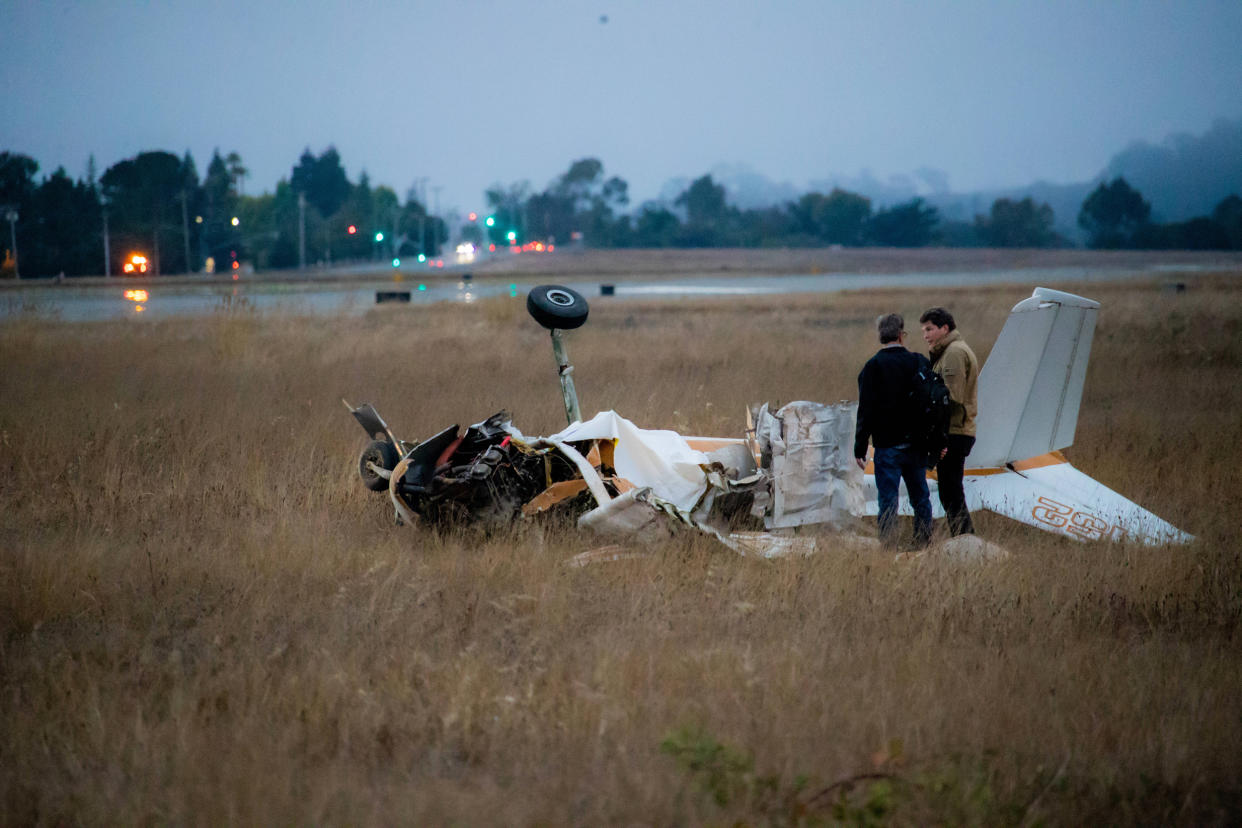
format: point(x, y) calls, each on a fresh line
point(660, 459)
point(1058, 498)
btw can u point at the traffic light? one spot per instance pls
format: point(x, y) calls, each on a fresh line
point(379, 237)
point(491, 221)
point(351, 229)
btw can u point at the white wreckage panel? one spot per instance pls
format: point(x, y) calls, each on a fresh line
point(814, 476)
point(808, 477)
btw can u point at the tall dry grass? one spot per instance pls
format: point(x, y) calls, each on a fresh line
point(205, 618)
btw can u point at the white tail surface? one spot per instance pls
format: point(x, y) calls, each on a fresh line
point(1031, 386)
point(1058, 498)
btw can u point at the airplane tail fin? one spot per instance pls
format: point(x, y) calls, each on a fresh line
point(1031, 386)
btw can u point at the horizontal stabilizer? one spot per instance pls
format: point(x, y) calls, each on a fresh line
point(1058, 498)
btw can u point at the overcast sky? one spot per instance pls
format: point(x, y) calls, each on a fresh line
point(472, 92)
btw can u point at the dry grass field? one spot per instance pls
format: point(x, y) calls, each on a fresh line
point(205, 618)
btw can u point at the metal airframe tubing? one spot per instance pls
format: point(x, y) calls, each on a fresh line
point(565, 370)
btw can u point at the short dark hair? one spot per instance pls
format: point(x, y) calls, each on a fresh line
point(938, 317)
point(891, 326)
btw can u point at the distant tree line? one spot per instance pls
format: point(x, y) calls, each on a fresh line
point(585, 204)
point(1116, 215)
point(157, 204)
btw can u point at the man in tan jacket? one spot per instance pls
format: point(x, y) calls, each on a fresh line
point(953, 360)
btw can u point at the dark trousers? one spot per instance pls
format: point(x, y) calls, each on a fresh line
point(892, 465)
point(949, 477)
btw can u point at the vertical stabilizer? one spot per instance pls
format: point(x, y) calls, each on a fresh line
point(1031, 386)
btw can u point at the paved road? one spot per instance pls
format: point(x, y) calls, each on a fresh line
point(160, 299)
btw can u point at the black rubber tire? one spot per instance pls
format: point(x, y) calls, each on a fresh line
point(554, 306)
point(383, 454)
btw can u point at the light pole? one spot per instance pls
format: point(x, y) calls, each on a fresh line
point(103, 202)
point(11, 215)
point(302, 231)
point(107, 251)
point(185, 229)
point(435, 232)
point(419, 184)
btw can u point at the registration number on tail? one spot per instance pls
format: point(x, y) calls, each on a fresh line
point(1078, 523)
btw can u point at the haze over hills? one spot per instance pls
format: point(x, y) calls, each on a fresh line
point(1183, 177)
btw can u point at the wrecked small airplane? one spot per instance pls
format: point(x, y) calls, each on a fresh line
point(794, 466)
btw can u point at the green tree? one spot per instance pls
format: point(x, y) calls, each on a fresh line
point(550, 216)
point(322, 179)
point(17, 178)
point(505, 210)
point(1201, 233)
point(656, 226)
point(17, 188)
point(219, 239)
point(387, 217)
point(704, 201)
point(1017, 224)
point(581, 199)
point(708, 217)
point(579, 182)
point(358, 211)
point(1228, 214)
point(958, 234)
point(764, 227)
point(193, 205)
point(237, 172)
point(909, 224)
point(144, 195)
point(837, 218)
point(275, 217)
point(66, 222)
point(1113, 214)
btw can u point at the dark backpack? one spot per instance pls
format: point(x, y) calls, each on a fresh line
point(931, 404)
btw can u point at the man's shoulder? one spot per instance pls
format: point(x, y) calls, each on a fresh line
point(883, 355)
point(959, 349)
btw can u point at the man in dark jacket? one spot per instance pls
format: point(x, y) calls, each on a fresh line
point(888, 419)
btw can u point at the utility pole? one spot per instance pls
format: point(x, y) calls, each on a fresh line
point(435, 192)
point(420, 184)
point(302, 231)
point(11, 215)
point(185, 229)
point(107, 250)
point(155, 258)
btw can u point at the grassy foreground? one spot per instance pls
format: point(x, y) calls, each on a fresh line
point(204, 617)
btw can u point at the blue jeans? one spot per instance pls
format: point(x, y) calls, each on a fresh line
point(893, 465)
